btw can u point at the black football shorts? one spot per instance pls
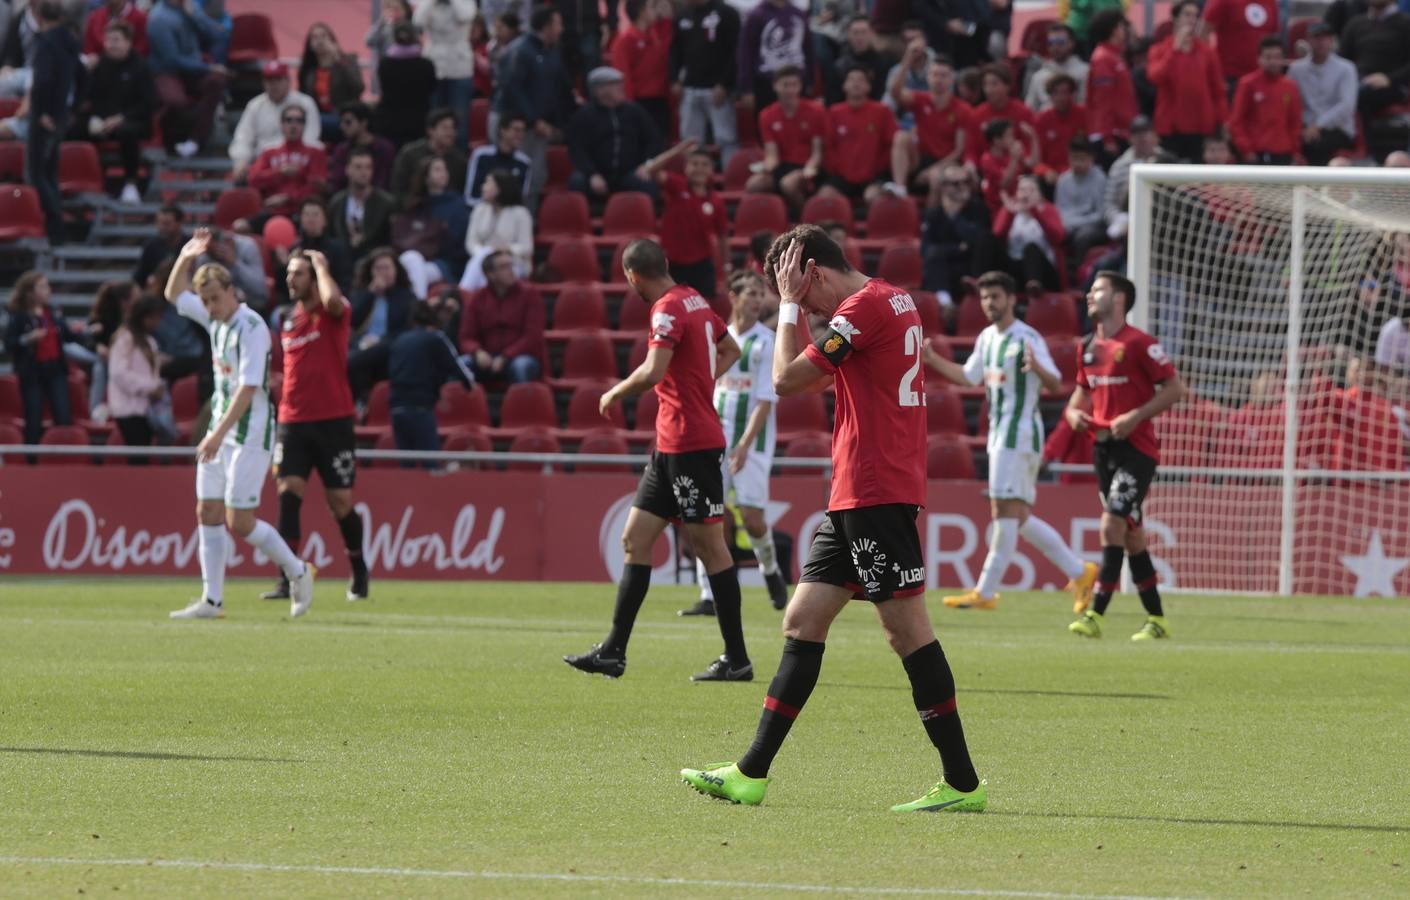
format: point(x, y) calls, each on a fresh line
point(327, 445)
point(874, 551)
point(1124, 476)
point(689, 487)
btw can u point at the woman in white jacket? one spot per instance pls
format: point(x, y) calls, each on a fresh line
point(446, 24)
point(500, 222)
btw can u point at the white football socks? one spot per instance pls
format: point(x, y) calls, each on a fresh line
point(268, 540)
point(703, 579)
point(764, 551)
point(1003, 540)
point(212, 548)
point(1043, 536)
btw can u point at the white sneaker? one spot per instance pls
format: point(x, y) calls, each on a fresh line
point(130, 195)
point(895, 190)
point(200, 609)
point(100, 413)
point(187, 149)
point(301, 591)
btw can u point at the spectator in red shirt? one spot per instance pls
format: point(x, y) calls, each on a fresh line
point(287, 174)
point(642, 53)
point(1000, 104)
point(1111, 94)
point(1266, 124)
point(1058, 125)
point(859, 135)
point(114, 11)
point(1002, 163)
point(693, 221)
point(1030, 231)
point(1189, 87)
point(501, 328)
point(942, 125)
point(793, 131)
point(1238, 27)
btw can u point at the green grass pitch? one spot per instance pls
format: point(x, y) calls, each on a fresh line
point(431, 743)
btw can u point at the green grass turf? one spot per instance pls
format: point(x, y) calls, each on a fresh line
point(1260, 752)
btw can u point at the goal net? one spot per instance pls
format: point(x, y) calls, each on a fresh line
point(1277, 293)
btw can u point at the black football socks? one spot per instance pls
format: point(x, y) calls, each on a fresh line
point(631, 593)
point(1143, 573)
point(1108, 579)
point(725, 586)
point(933, 689)
point(790, 689)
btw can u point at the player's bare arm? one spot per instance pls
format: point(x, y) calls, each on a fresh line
point(658, 163)
point(1079, 409)
point(946, 368)
point(646, 376)
point(757, 419)
point(210, 444)
point(1170, 392)
point(179, 281)
point(1052, 381)
point(726, 354)
point(328, 289)
point(793, 372)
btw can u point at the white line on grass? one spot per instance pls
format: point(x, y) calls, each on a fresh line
point(570, 877)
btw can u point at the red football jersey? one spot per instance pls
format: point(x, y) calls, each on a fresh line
point(1121, 373)
point(316, 365)
point(683, 321)
point(691, 223)
point(859, 140)
point(873, 349)
point(793, 134)
point(937, 127)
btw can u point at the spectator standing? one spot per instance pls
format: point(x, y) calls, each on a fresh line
point(503, 154)
point(430, 235)
point(506, 29)
point(860, 132)
point(1112, 94)
point(1080, 199)
point(439, 142)
point(1327, 84)
point(96, 28)
point(642, 53)
point(1376, 42)
point(57, 72)
point(330, 77)
point(955, 236)
point(421, 360)
point(1031, 232)
point(501, 328)
point(859, 51)
point(694, 225)
point(1001, 165)
point(1081, 15)
point(1057, 127)
point(291, 172)
point(408, 80)
point(446, 24)
point(943, 123)
point(611, 140)
point(187, 86)
point(1061, 59)
point(261, 126)
point(703, 64)
point(361, 213)
point(532, 82)
point(499, 224)
point(354, 121)
point(135, 385)
point(382, 35)
point(957, 28)
point(17, 54)
point(120, 102)
point(794, 132)
point(109, 310)
point(1145, 148)
point(381, 310)
point(1266, 123)
point(34, 339)
point(482, 83)
point(773, 36)
point(164, 246)
point(1238, 27)
point(1189, 87)
point(585, 33)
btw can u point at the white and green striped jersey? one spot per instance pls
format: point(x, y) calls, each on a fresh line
point(997, 361)
point(240, 356)
point(747, 382)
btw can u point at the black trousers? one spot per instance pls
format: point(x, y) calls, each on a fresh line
point(1329, 143)
point(42, 162)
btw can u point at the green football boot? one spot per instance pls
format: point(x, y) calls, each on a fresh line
point(1089, 624)
point(943, 798)
point(1155, 629)
point(725, 781)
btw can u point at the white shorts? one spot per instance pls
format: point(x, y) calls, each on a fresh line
point(751, 483)
point(235, 477)
point(1013, 475)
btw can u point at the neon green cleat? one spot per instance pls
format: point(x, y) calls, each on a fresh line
point(943, 798)
point(1088, 625)
point(1155, 629)
point(725, 781)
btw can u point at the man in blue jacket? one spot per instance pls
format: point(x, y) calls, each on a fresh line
point(532, 83)
point(186, 84)
point(57, 70)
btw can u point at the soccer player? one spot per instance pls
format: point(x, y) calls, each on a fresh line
point(745, 401)
point(689, 346)
point(316, 412)
point(232, 460)
point(1123, 381)
point(1013, 362)
point(869, 547)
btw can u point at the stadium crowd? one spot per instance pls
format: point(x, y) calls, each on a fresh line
point(455, 185)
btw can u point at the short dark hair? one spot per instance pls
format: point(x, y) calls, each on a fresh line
point(313, 200)
point(1104, 25)
point(1121, 284)
point(171, 209)
point(510, 20)
point(787, 72)
point(645, 258)
point(488, 262)
point(357, 109)
point(995, 129)
point(356, 152)
point(999, 71)
point(859, 17)
point(439, 115)
point(49, 11)
point(857, 67)
point(1271, 40)
point(817, 246)
point(942, 59)
point(1080, 145)
point(912, 25)
point(996, 279)
point(540, 18)
point(422, 315)
point(506, 121)
point(1181, 4)
point(120, 27)
point(634, 8)
point(1061, 78)
point(511, 189)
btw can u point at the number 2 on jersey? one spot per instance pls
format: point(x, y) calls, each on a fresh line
point(905, 395)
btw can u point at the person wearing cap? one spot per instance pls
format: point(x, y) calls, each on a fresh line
point(260, 128)
point(1328, 85)
point(1145, 148)
point(187, 86)
point(611, 140)
point(1189, 86)
point(1062, 59)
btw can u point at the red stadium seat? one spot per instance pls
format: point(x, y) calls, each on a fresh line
point(185, 400)
point(386, 440)
point(20, 214)
point(560, 167)
point(9, 106)
point(236, 203)
point(583, 415)
point(605, 441)
point(528, 405)
point(252, 39)
point(737, 170)
point(932, 318)
point(971, 319)
point(533, 441)
point(646, 406)
point(11, 435)
point(80, 169)
point(467, 439)
point(12, 162)
point(461, 407)
point(638, 353)
point(1052, 315)
point(379, 408)
point(941, 345)
point(853, 251)
point(901, 265)
point(944, 412)
point(1065, 352)
point(759, 212)
point(580, 308)
point(575, 259)
point(828, 207)
point(802, 412)
point(747, 118)
point(588, 357)
point(634, 314)
point(946, 456)
point(809, 445)
point(564, 214)
point(65, 436)
point(78, 397)
point(893, 217)
point(479, 120)
point(615, 275)
point(1186, 435)
point(629, 214)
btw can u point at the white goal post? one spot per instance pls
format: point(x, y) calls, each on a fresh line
point(1278, 293)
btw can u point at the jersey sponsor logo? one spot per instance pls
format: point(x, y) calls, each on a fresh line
point(662, 324)
point(901, 304)
point(344, 464)
point(1157, 353)
point(694, 302)
point(1107, 380)
point(869, 561)
point(686, 494)
point(908, 577)
point(294, 343)
point(845, 329)
point(1122, 492)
